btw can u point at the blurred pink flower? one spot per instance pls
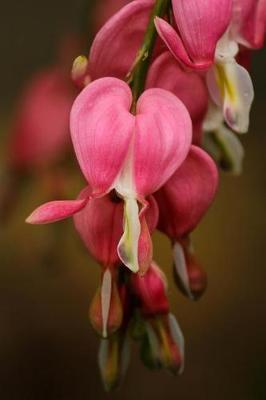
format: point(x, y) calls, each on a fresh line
point(39, 133)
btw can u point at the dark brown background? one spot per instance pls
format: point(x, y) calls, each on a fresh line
point(47, 347)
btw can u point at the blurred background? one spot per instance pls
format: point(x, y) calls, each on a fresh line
point(48, 349)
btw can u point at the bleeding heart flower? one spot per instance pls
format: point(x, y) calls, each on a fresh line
point(133, 154)
point(166, 73)
point(40, 130)
point(183, 201)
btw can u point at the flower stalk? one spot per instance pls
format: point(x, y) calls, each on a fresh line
point(137, 76)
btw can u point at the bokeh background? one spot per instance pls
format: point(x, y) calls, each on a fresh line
point(47, 347)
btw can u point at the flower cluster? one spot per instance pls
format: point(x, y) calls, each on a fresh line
point(162, 79)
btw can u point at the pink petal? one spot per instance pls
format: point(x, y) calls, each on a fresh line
point(56, 210)
point(100, 226)
point(116, 45)
point(185, 198)
point(201, 23)
point(174, 43)
point(149, 216)
point(101, 128)
point(162, 139)
point(189, 87)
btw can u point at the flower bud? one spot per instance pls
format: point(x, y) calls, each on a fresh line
point(163, 344)
point(150, 290)
point(106, 311)
point(113, 359)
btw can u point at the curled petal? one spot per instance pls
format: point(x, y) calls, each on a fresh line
point(101, 129)
point(111, 54)
point(56, 211)
point(174, 43)
point(149, 216)
point(231, 87)
point(185, 198)
point(128, 245)
point(201, 23)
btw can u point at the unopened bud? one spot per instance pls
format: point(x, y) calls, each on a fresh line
point(163, 344)
point(150, 290)
point(79, 73)
point(106, 310)
point(113, 359)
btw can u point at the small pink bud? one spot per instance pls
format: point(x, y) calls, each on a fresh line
point(150, 290)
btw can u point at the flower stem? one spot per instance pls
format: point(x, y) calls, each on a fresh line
point(138, 73)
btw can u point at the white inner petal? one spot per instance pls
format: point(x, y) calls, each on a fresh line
point(181, 268)
point(178, 338)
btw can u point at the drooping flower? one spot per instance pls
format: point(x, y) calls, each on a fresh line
point(133, 154)
point(206, 40)
point(183, 201)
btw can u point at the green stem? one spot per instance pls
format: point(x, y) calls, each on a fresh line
point(138, 73)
